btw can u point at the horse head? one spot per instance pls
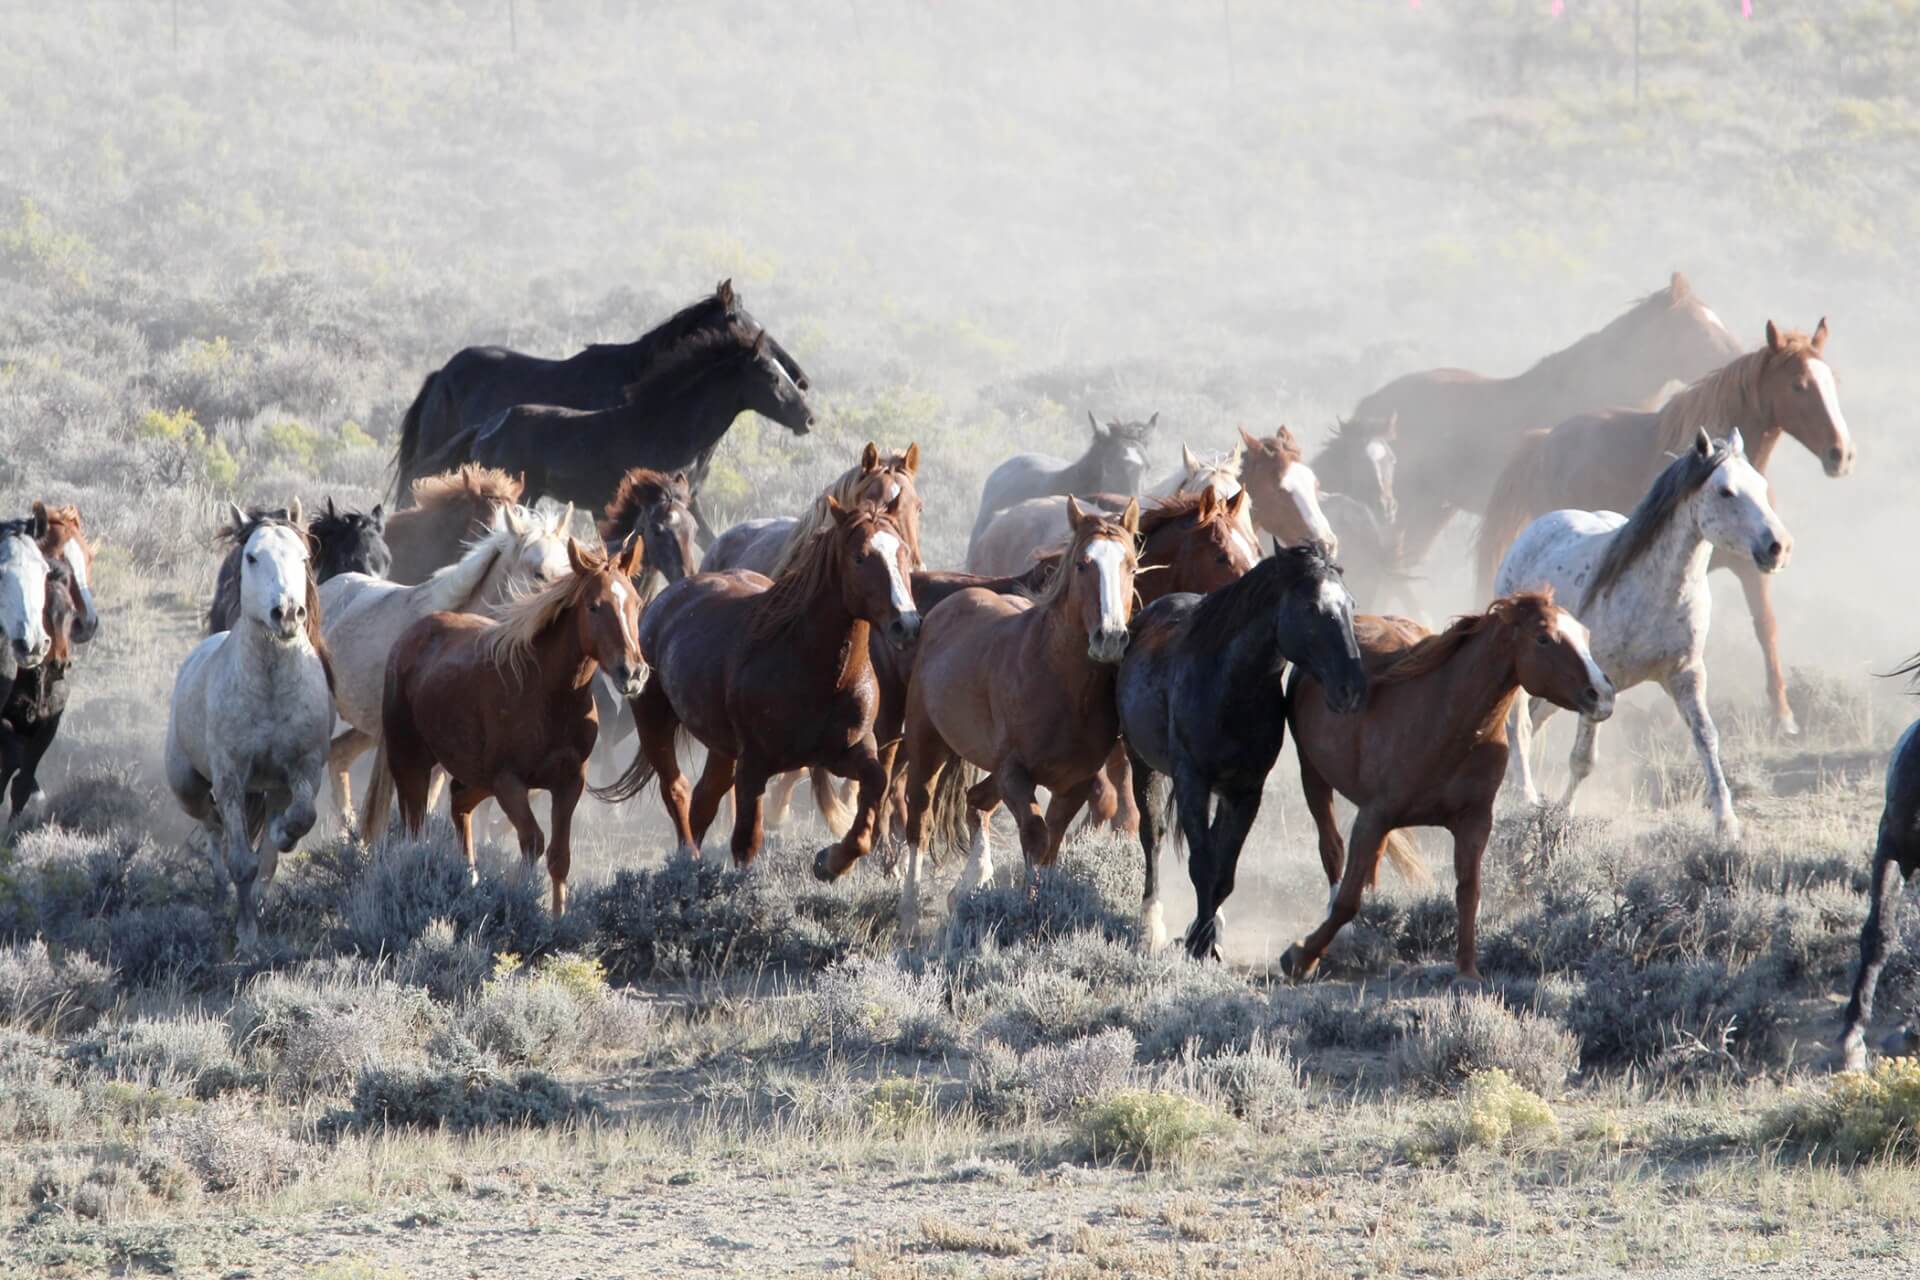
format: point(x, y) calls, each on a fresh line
point(1315, 624)
point(66, 541)
point(607, 610)
point(350, 542)
point(769, 388)
point(1119, 453)
point(1797, 388)
point(1552, 655)
point(1731, 508)
point(1202, 541)
point(275, 573)
point(23, 591)
point(1285, 491)
point(1095, 577)
point(875, 567)
point(536, 555)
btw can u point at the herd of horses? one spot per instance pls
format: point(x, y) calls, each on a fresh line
point(1124, 646)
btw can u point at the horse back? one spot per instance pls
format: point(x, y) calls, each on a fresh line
point(485, 381)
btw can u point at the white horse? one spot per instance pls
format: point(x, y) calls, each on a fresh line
point(251, 714)
point(1219, 472)
point(23, 595)
point(1641, 586)
point(522, 550)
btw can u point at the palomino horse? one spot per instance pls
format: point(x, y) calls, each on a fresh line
point(505, 705)
point(66, 540)
point(1641, 585)
point(251, 713)
point(1023, 691)
point(447, 512)
point(1430, 747)
point(1115, 462)
point(653, 505)
point(673, 417)
point(1201, 702)
point(31, 709)
point(773, 676)
point(771, 544)
point(481, 382)
point(1456, 429)
point(1898, 847)
point(366, 617)
point(23, 595)
point(1219, 472)
point(342, 542)
point(1605, 461)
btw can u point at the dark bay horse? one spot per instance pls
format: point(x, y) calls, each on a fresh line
point(654, 506)
point(1024, 691)
point(66, 540)
point(1358, 461)
point(1202, 702)
point(447, 513)
point(1605, 461)
point(773, 676)
point(32, 707)
point(672, 418)
point(1115, 462)
point(1429, 748)
point(340, 542)
point(481, 382)
point(1898, 848)
point(506, 706)
point(1456, 429)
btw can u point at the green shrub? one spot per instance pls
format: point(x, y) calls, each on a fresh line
point(1493, 1113)
point(1858, 1116)
point(1147, 1128)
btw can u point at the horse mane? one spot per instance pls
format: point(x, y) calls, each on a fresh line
point(509, 641)
point(845, 490)
point(1676, 293)
point(694, 354)
point(641, 489)
point(1162, 512)
point(468, 483)
point(1223, 614)
point(63, 523)
point(258, 518)
point(786, 604)
point(341, 519)
point(1093, 526)
point(1432, 652)
point(1722, 398)
point(1655, 510)
point(59, 614)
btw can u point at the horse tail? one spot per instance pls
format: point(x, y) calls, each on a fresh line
point(407, 451)
point(457, 449)
point(947, 816)
point(1165, 807)
point(1516, 494)
point(835, 812)
point(1406, 859)
point(379, 802)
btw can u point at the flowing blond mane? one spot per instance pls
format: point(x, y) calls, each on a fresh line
point(1729, 396)
point(849, 489)
point(470, 484)
point(521, 622)
point(814, 572)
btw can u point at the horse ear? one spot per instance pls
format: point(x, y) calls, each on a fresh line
point(1188, 459)
point(1736, 443)
point(632, 553)
point(577, 558)
point(1238, 456)
point(724, 292)
point(1678, 287)
point(1099, 432)
point(911, 459)
point(1248, 441)
point(378, 516)
point(841, 514)
point(39, 521)
point(1237, 503)
point(1209, 503)
point(760, 341)
point(870, 457)
point(1820, 336)
point(1773, 336)
point(331, 513)
point(1075, 516)
point(1154, 420)
point(236, 518)
point(1130, 518)
point(1702, 444)
point(294, 514)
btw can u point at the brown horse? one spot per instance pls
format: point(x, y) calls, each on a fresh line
point(1429, 748)
point(1605, 461)
point(1023, 691)
point(448, 512)
point(1455, 428)
point(654, 505)
point(66, 540)
point(506, 706)
point(1285, 491)
point(772, 676)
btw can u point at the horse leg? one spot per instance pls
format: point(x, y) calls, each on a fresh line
point(1873, 953)
point(1318, 795)
point(1015, 788)
point(517, 804)
point(560, 848)
point(983, 797)
point(32, 749)
point(341, 754)
point(863, 763)
point(1120, 774)
point(654, 717)
point(749, 802)
point(461, 802)
point(1586, 750)
point(780, 797)
point(1520, 725)
point(242, 862)
point(716, 780)
point(1193, 802)
point(1153, 915)
point(1766, 629)
point(1469, 843)
point(1688, 689)
point(1370, 833)
point(1061, 808)
point(1233, 816)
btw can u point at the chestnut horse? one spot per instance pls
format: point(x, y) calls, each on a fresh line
point(772, 676)
point(1024, 691)
point(1429, 749)
point(449, 511)
point(1455, 428)
point(506, 706)
point(1285, 491)
point(1605, 461)
point(771, 544)
point(66, 540)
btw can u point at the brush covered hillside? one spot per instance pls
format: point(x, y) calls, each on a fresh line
point(235, 235)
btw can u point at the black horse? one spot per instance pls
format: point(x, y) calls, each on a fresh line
point(341, 542)
point(482, 382)
point(673, 419)
point(36, 699)
point(1201, 701)
point(1898, 846)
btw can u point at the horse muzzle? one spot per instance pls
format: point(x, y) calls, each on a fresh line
point(1837, 461)
point(1772, 555)
point(632, 680)
point(1109, 644)
point(287, 620)
point(1596, 701)
point(903, 631)
point(28, 654)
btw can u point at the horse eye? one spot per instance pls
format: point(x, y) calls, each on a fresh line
point(593, 608)
point(252, 559)
point(1541, 639)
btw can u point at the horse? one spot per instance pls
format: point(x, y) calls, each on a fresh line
point(771, 544)
point(653, 505)
point(1604, 461)
point(23, 594)
point(1456, 429)
point(367, 616)
point(446, 513)
point(1023, 690)
point(773, 675)
point(1358, 460)
point(1285, 491)
point(1897, 847)
point(66, 540)
point(1219, 472)
point(1202, 703)
point(36, 700)
point(674, 416)
point(248, 725)
point(1641, 584)
point(342, 542)
point(1115, 462)
point(505, 705)
point(1192, 542)
point(1429, 748)
point(1371, 560)
point(479, 383)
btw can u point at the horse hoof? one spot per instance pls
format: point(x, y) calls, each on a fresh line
point(1153, 928)
point(1787, 725)
point(1294, 963)
point(823, 868)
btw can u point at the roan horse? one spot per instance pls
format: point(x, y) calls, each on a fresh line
point(31, 708)
point(506, 706)
point(447, 512)
point(1024, 691)
point(1430, 746)
point(1604, 461)
point(673, 417)
point(251, 714)
point(1898, 848)
point(481, 382)
point(774, 676)
point(1456, 429)
point(342, 541)
point(1115, 462)
point(1640, 582)
point(1202, 702)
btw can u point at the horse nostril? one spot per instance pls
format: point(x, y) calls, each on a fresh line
point(1773, 550)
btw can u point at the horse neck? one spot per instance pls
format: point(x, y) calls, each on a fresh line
point(564, 663)
point(828, 634)
point(263, 656)
point(1726, 398)
point(1677, 557)
point(1083, 473)
point(695, 414)
point(1474, 690)
point(1063, 648)
point(479, 575)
